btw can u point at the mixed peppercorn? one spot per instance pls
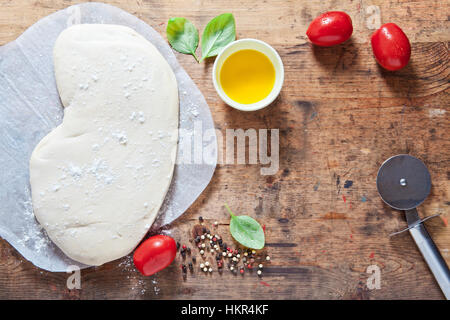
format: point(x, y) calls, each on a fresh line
point(237, 260)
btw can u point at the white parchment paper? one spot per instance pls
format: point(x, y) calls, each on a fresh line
point(30, 108)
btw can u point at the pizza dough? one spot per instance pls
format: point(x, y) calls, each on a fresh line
point(99, 179)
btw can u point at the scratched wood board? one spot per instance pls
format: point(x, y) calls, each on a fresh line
point(340, 116)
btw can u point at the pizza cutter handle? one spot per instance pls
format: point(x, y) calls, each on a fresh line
point(432, 256)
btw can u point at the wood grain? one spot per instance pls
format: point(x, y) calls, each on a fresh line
point(340, 116)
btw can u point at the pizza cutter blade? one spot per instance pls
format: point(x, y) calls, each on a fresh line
point(403, 183)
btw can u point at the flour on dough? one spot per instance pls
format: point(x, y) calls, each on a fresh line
point(99, 178)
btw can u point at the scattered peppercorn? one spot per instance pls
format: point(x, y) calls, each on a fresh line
point(216, 246)
point(200, 219)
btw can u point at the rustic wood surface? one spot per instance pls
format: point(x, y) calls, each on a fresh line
point(340, 116)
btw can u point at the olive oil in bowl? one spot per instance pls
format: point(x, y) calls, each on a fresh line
point(247, 76)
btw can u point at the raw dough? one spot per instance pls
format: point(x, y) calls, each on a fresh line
point(99, 178)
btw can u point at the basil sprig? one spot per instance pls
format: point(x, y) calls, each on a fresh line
point(219, 32)
point(247, 231)
point(184, 38)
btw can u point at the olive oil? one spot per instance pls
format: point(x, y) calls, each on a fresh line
point(247, 76)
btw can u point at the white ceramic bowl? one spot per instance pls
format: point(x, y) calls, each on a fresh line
point(257, 45)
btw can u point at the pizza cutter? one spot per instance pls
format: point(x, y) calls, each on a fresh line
point(403, 183)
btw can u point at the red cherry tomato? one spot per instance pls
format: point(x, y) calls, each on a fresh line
point(330, 28)
point(154, 254)
point(391, 47)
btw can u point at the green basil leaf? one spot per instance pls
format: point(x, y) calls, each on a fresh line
point(247, 231)
point(182, 36)
point(219, 32)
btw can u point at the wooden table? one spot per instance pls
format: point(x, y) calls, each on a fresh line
point(340, 116)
